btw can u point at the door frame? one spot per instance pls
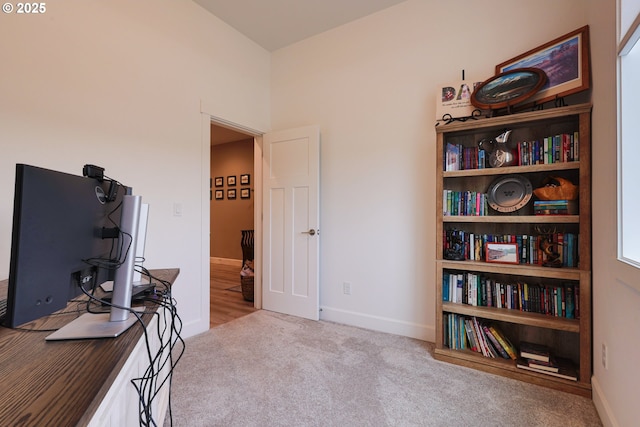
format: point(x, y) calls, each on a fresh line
point(207, 120)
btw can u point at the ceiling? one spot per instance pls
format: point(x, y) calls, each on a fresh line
point(274, 24)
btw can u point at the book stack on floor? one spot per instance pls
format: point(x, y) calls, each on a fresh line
point(538, 358)
point(469, 333)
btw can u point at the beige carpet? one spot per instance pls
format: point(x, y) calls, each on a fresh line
point(268, 369)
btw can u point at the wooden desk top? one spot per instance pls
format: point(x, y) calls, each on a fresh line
point(60, 383)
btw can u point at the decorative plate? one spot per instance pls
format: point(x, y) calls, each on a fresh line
point(509, 193)
point(508, 88)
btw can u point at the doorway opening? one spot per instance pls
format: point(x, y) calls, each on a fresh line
point(232, 199)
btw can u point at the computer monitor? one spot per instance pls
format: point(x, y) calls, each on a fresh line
point(67, 233)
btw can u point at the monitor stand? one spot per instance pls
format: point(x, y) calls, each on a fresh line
point(119, 319)
point(91, 325)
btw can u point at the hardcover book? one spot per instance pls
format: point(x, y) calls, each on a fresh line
point(567, 373)
point(529, 350)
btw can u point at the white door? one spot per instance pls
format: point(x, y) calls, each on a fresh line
point(291, 169)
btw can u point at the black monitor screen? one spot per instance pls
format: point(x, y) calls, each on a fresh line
point(57, 240)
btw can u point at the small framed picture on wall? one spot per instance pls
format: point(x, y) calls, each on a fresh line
point(231, 180)
point(231, 194)
point(245, 179)
point(219, 194)
point(245, 193)
point(218, 181)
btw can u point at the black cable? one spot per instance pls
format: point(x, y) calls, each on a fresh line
point(151, 382)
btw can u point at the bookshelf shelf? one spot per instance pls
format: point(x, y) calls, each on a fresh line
point(508, 368)
point(512, 169)
point(514, 269)
point(514, 316)
point(566, 337)
point(515, 219)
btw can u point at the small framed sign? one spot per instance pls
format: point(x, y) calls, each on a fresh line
point(454, 100)
point(219, 194)
point(231, 194)
point(506, 253)
point(245, 179)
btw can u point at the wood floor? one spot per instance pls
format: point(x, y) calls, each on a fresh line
point(226, 305)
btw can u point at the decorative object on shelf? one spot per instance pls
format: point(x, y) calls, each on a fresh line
point(453, 101)
point(550, 248)
point(509, 193)
point(499, 152)
point(508, 88)
point(565, 61)
point(456, 250)
point(556, 188)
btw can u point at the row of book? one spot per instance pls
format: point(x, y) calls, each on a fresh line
point(564, 147)
point(538, 358)
point(559, 148)
point(470, 333)
point(481, 291)
point(459, 157)
point(532, 249)
point(464, 203)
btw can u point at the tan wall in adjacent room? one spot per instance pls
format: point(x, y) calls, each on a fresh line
point(229, 217)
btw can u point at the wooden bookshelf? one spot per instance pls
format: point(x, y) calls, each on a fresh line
point(567, 337)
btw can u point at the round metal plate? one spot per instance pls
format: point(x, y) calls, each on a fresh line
point(509, 193)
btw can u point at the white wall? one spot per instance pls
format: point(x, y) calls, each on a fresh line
point(371, 86)
point(616, 306)
point(120, 84)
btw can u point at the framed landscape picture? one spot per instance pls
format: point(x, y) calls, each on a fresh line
point(564, 60)
point(508, 88)
point(502, 252)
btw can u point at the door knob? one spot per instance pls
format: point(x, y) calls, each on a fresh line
point(311, 232)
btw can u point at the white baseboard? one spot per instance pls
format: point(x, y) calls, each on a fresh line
point(602, 405)
point(376, 323)
point(226, 261)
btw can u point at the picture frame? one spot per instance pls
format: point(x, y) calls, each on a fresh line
point(231, 180)
point(245, 193)
point(245, 179)
point(219, 194)
point(565, 61)
point(504, 253)
point(231, 194)
point(508, 88)
point(218, 181)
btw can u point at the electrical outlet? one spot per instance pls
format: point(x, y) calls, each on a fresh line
point(605, 356)
point(346, 288)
